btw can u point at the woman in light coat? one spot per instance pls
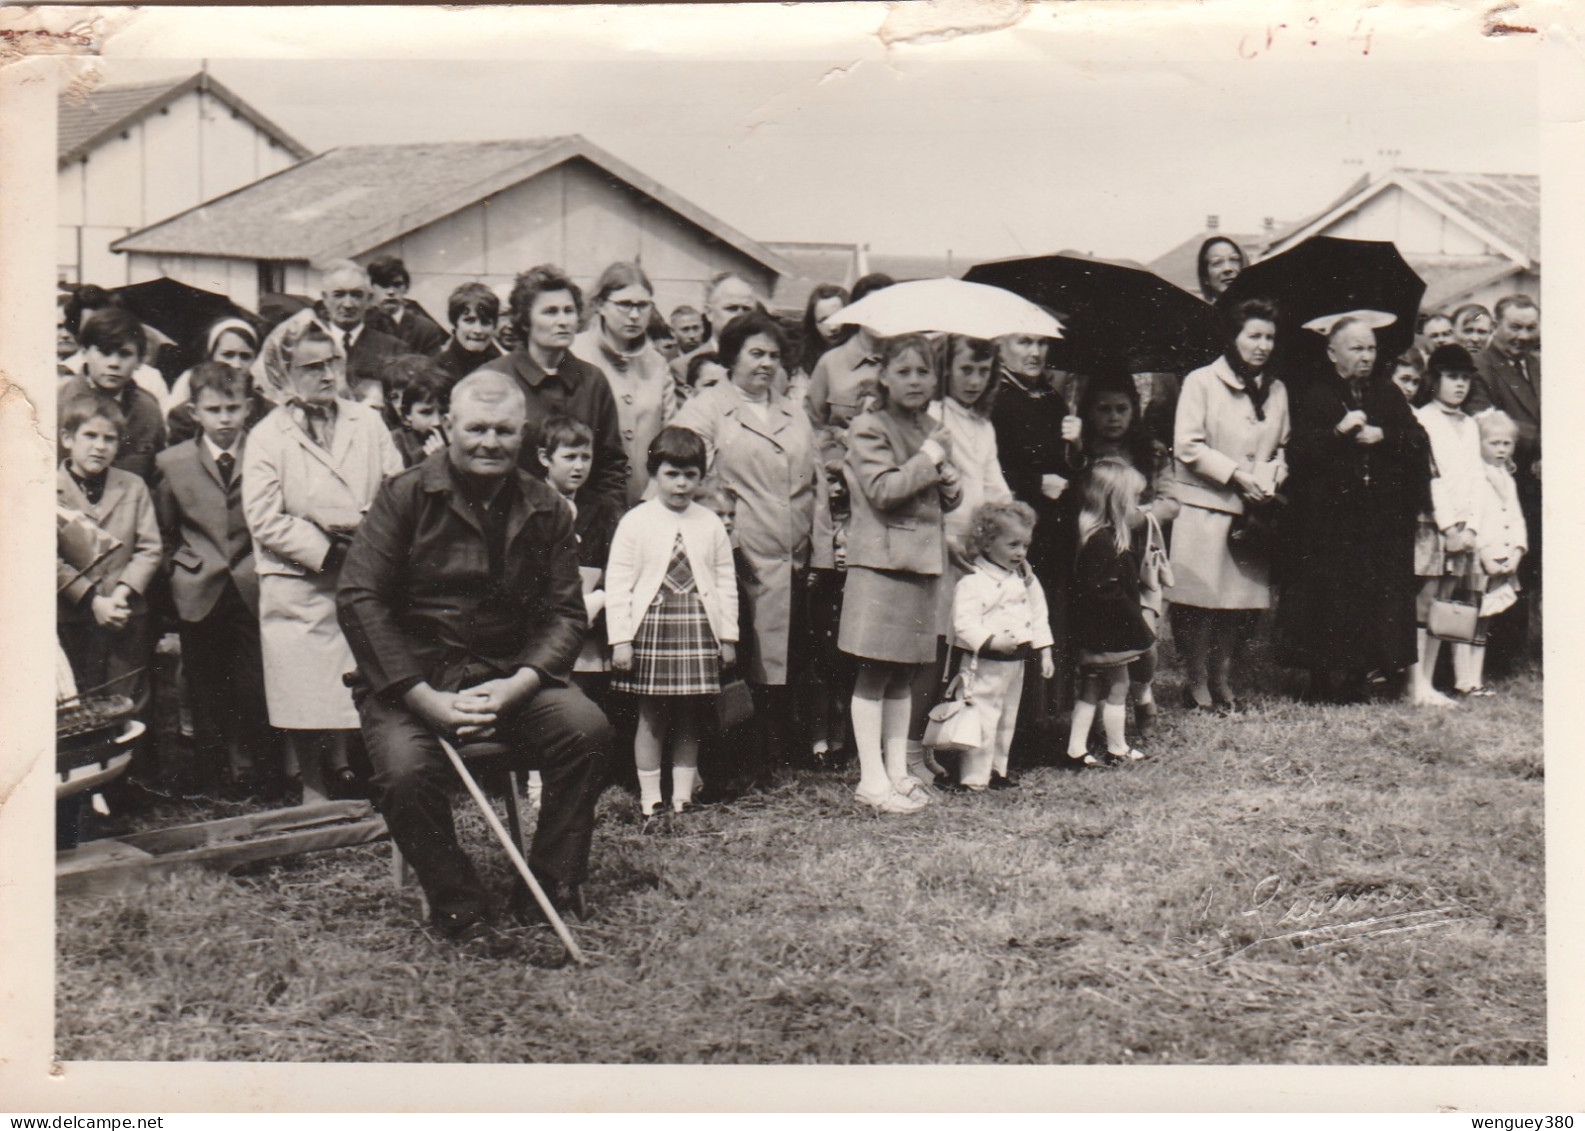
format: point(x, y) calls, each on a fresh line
point(1232, 425)
point(617, 343)
point(762, 449)
point(310, 471)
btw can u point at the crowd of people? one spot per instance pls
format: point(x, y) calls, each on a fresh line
point(569, 532)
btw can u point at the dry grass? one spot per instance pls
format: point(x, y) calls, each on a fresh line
point(1303, 886)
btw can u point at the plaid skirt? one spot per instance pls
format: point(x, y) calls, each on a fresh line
point(674, 650)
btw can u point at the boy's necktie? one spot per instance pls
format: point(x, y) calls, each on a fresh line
point(228, 464)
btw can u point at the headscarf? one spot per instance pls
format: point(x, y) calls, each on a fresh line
point(229, 326)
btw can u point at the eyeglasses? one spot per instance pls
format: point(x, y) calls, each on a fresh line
point(632, 308)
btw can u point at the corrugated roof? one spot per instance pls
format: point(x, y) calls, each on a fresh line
point(1509, 204)
point(1450, 280)
point(1500, 207)
point(83, 122)
point(349, 200)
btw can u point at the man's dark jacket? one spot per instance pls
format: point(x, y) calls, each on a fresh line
point(417, 601)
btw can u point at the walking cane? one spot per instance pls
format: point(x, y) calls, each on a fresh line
point(514, 852)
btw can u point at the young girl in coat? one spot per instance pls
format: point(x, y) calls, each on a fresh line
point(999, 616)
point(671, 614)
point(901, 481)
point(1501, 541)
point(1108, 621)
point(1444, 544)
point(964, 410)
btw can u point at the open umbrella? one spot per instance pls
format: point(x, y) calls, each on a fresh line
point(1117, 314)
point(1325, 275)
point(179, 311)
point(948, 306)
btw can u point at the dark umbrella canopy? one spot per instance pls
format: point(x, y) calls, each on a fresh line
point(1113, 314)
point(181, 312)
point(1325, 275)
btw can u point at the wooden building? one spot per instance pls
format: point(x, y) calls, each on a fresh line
point(1473, 237)
point(130, 156)
point(454, 212)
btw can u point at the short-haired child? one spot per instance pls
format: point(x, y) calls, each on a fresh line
point(999, 617)
point(421, 402)
point(1501, 542)
point(101, 616)
point(671, 614)
point(1108, 620)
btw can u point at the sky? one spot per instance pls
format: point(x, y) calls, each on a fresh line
point(986, 158)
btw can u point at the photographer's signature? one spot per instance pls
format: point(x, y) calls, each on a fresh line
point(1350, 913)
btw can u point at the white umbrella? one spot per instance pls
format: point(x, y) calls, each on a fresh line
point(948, 306)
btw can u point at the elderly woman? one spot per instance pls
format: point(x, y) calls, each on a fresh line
point(1359, 474)
point(1037, 439)
point(474, 313)
point(618, 343)
point(762, 449)
point(232, 342)
point(1231, 428)
point(309, 472)
point(546, 309)
point(1220, 261)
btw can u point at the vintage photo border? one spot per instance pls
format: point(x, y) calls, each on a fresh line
point(50, 45)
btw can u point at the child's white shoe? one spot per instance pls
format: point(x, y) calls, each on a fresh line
point(889, 800)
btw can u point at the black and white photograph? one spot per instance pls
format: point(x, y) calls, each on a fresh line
point(791, 535)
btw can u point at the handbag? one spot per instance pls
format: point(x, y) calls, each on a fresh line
point(954, 724)
point(1254, 531)
point(1453, 620)
point(1155, 572)
point(734, 706)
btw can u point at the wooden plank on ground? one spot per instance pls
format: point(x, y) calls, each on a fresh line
point(116, 873)
point(249, 825)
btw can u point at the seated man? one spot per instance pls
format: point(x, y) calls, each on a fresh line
point(461, 601)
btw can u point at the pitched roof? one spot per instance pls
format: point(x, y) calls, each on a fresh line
point(84, 122)
point(1449, 280)
point(349, 200)
point(1504, 209)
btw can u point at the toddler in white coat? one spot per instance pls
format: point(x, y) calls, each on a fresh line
point(999, 610)
point(1501, 541)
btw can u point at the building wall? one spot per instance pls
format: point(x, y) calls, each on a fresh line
point(191, 151)
point(576, 217)
point(1416, 227)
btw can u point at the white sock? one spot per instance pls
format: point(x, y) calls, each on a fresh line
point(867, 716)
point(1477, 665)
point(1112, 717)
point(1079, 733)
point(682, 779)
point(894, 736)
point(649, 789)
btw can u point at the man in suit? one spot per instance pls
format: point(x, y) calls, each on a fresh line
point(342, 312)
point(209, 555)
point(462, 603)
point(392, 312)
point(1510, 379)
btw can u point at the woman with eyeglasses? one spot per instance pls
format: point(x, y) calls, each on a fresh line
point(617, 342)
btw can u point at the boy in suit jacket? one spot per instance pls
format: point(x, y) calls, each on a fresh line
point(101, 616)
point(213, 583)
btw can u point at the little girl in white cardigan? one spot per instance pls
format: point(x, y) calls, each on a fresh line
point(671, 614)
point(999, 610)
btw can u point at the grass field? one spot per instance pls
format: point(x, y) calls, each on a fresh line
point(1305, 885)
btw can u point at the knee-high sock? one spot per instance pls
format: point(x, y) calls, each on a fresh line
point(1112, 717)
point(866, 715)
point(894, 735)
point(1079, 733)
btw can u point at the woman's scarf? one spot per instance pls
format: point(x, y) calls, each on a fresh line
point(1251, 381)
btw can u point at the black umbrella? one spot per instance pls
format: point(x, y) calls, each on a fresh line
point(1114, 315)
point(1325, 275)
point(181, 312)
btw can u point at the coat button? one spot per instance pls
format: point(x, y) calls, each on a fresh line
point(627, 398)
point(627, 433)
